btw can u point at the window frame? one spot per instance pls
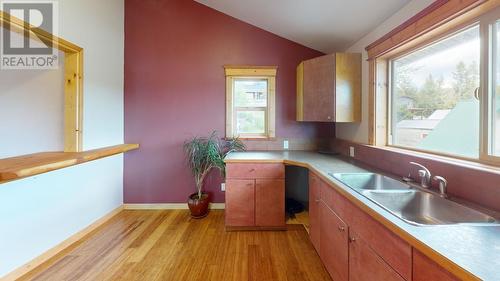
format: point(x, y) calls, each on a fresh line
point(267, 73)
point(380, 75)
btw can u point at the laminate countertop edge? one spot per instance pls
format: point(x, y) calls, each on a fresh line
point(375, 211)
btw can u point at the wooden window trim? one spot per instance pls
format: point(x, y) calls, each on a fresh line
point(434, 16)
point(439, 19)
point(251, 72)
point(73, 76)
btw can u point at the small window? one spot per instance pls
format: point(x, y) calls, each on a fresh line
point(434, 96)
point(250, 102)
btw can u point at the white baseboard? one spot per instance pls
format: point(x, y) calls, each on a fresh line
point(24, 269)
point(168, 206)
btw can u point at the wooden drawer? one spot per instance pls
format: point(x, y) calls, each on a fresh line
point(333, 199)
point(398, 255)
point(255, 171)
point(425, 269)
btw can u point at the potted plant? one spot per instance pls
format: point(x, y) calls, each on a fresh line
point(204, 154)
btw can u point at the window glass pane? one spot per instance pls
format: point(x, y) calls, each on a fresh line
point(250, 93)
point(495, 114)
point(251, 122)
point(433, 103)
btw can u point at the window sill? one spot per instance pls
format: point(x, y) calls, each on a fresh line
point(258, 138)
point(33, 164)
point(466, 163)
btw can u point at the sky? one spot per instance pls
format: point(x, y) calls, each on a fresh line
point(443, 61)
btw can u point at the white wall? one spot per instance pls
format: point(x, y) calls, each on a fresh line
point(358, 132)
point(21, 93)
point(39, 212)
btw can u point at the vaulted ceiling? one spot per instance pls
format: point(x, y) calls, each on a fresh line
point(324, 25)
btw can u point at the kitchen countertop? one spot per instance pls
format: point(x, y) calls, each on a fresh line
point(472, 251)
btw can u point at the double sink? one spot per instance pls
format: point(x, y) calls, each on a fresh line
point(411, 204)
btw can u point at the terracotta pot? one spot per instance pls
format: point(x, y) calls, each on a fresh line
point(198, 207)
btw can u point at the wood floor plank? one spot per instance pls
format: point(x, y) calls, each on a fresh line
point(169, 245)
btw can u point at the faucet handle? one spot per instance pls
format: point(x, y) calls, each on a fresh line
point(443, 184)
point(422, 173)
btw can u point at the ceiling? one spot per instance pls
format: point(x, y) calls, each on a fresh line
point(324, 25)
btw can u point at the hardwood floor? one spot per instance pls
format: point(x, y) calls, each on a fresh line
point(169, 245)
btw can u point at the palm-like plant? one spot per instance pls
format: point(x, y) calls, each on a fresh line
point(206, 153)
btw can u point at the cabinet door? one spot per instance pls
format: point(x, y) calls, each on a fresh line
point(314, 214)
point(334, 245)
point(365, 264)
point(318, 99)
point(270, 202)
point(240, 202)
point(425, 269)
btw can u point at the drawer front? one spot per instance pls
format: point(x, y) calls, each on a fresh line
point(398, 256)
point(255, 171)
point(333, 199)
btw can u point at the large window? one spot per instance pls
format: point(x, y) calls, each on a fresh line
point(443, 90)
point(250, 102)
point(494, 114)
point(434, 96)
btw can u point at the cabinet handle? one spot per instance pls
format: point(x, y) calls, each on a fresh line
point(329, 117)
point(316, 200)
point(252, 170)
point(352, 239)
point(341, 228)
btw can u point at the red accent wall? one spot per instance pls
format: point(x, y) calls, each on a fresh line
point(175, 88)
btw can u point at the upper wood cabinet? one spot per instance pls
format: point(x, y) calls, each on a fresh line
point(329, 88)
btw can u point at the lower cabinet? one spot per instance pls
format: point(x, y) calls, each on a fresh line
point(365, 264)
point(240, 202)
point(270, 202)
point(334, 250)
point(425, 269)
point(314, 210)
point(349, 245)
point(255, 196)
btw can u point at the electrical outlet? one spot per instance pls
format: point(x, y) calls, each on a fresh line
point(351, 151)
point(223, 186)
point(285, 145)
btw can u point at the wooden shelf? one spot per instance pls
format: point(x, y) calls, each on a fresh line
point(33, 164)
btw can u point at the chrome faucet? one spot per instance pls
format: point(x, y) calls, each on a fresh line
point(424, 174)
point(443, 183)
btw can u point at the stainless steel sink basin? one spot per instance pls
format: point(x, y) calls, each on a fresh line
point(412, 204)
point(370, 181)
point(423, 208)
